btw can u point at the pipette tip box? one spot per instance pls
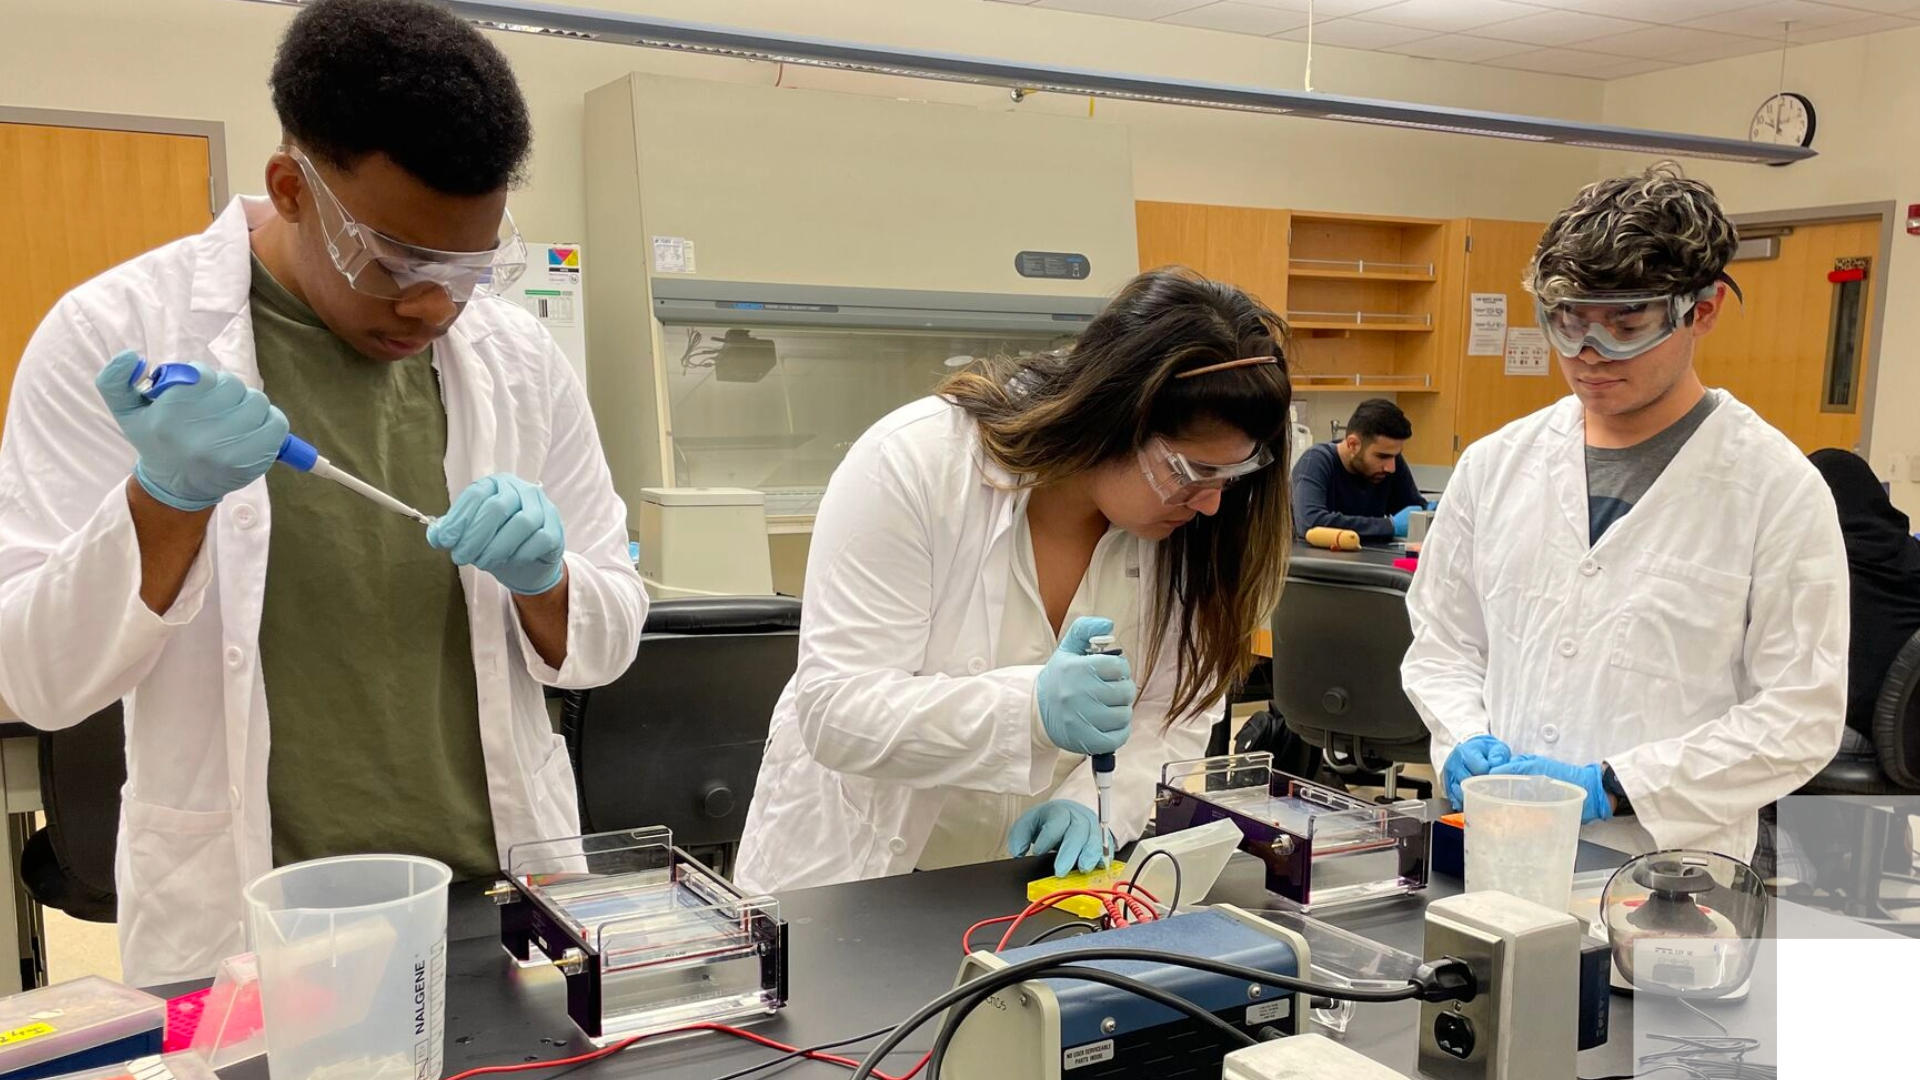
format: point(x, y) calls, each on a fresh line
point(648, 937)
point(87, 1023)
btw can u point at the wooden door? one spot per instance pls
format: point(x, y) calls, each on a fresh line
point(77, 201)
point(1771, 350)
point(1485, 396)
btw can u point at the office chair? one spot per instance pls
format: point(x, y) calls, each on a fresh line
point(1894, 771)
point(1338, 637)
point(68, 865)
point(677, 739)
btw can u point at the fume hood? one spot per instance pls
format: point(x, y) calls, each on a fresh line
point(776, 269)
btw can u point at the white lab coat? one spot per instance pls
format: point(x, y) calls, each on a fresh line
point(898, 698)
point(74, 635)
point(1700, 647)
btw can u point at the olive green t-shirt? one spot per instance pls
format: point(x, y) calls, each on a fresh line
point(364, 645)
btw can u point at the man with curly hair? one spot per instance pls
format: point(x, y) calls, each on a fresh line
point(1641, 589)
point(304, 674)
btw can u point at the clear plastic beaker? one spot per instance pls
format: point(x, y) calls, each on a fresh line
point(352, 955)
point(1522, 834)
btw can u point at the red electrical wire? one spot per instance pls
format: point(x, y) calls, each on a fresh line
point(725, 1029)
point(1119, 909)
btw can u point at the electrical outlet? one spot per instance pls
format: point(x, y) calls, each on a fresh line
point(1913, 467)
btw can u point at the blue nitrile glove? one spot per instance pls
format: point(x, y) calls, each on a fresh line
point(1433, 504)
point(1598, 806)
point(1400, 521)
point(507, 527)
point(1063, 825)
point(1086, 702)
point(198, 442)
point(1475, 757)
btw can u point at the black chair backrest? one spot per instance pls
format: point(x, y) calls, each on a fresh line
point(1896, 718)
point(677, 740)
point(82, 769)
point(1338, 638)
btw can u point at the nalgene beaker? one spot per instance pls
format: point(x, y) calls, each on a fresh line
point(352, 955)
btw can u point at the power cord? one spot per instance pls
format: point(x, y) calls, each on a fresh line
point(1445, 980)
point(816, 1053)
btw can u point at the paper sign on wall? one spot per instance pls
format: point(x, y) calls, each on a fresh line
point(1489, 324)
point(1526, 351)
point(673, 255)
point(551, 289)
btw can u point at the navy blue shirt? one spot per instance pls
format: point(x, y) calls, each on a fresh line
point(1325, 493)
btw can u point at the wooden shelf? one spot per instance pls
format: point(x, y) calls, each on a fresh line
point(1377, 328)
point(1369, 388)
point(1360, 275)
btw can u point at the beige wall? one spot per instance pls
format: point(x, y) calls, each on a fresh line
point(1867, 94)
point(208, 59)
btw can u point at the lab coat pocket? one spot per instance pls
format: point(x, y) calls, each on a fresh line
point(183, 873)
point(1682, 621)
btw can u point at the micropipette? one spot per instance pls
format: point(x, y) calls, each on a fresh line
point(1103, 764)
point(295, 452)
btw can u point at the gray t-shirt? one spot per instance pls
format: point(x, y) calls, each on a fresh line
point(1616, 479)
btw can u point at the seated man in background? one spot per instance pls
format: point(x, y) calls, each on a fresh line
point(1359, 482)
point(1641, 589)
point(1883, 563)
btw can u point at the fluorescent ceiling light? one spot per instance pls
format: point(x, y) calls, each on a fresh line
point(584, 24)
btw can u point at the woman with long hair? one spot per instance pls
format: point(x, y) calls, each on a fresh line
point(970, 547)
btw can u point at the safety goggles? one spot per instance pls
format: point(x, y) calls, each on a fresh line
point(1615, 325)
point(1178, 480)
point(378, 265)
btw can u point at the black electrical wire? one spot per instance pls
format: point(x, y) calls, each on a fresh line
point(1173, 905)
point(958, 1014)
point(1024, 970)
point(1082, 925)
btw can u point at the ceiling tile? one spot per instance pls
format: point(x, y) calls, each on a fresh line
point(1448, 15)
point(1335, 9)
point(1558, 28)
point(1653, 11)
point(1628, 68)
point(1765, 20)
point(1665, 43)
point(1557, 62)
point(1354, 34)
point(1126, 9)
point(1872, 24)
point(1884, 7)
point(1239, 18)
point(1458, 47)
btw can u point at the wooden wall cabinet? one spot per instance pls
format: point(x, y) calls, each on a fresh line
point(1377, 304)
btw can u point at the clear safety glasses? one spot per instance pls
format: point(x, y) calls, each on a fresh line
point(1179, 481)
point(378, 265)
point(1615, 325)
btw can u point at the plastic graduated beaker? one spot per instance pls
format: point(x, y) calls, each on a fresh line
point(352, 955)
point(1522, 834)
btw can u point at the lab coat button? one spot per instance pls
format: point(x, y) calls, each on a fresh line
point(1589, 569)
point(233, 797)
point(245, 516)
point(976, 666)
point(897, 845)
point(1568, 647)
point(1550, 732)
point(234, 656)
